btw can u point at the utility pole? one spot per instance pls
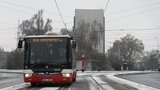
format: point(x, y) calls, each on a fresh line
point(18, 31)
point(158, 56)
point(157, 44)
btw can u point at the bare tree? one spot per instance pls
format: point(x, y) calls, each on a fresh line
point(35, 25)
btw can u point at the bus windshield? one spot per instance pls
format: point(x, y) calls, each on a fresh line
point(48, 51)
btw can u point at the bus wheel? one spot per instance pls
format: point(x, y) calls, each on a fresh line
point(33, 84)
point(74, 78)
point(69, 84)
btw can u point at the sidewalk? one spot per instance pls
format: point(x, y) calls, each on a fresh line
point(11, 71)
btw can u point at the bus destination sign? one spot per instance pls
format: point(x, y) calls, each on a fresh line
point(47, 40)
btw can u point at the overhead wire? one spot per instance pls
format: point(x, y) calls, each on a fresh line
point(129, 9)
point(19, 5)
point(55, 21)
point(60, 13)
point(137, 13)
point(106, 6)
point(104, 10)
point(16, 10)
point(129, 29)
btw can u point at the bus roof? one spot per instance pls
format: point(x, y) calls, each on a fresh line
point(44, 36)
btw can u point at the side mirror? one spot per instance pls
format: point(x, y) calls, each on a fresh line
point(71, 38)
point(74, 44)
point(20, 43)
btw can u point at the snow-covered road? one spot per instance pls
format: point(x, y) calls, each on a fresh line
point(104, 80)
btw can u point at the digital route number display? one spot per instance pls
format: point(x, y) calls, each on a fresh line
point(47, 40)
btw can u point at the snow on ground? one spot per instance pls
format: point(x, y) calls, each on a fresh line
point(8, 75)
point(103, 84)
point(109, 74)
point(16, 87)
point(133, 84)
point(11, 71)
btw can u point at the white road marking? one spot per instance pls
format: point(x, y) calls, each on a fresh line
point(50, 88)
point(103, 84)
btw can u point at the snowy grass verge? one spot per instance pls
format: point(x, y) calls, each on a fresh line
point(131, 83)
point(10, 71)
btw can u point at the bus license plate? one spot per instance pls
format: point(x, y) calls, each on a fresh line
point(47, 80)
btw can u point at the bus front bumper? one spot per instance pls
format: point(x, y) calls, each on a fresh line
point(58, 78)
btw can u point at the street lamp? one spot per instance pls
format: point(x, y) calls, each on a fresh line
point(157, 43)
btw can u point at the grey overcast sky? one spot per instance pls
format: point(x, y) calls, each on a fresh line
point(141, 18)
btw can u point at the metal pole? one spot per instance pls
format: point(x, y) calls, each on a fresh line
point(157, 43)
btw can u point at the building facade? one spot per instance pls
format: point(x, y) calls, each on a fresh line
point(94, 18)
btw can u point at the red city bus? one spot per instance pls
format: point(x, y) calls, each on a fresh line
point(49, 58)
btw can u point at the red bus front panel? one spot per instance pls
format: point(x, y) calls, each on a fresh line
point(58, 78)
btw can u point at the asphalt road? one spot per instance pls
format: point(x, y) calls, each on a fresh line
point(149, 79)
point(14, 80)
point(82, 83)
point(85, 81)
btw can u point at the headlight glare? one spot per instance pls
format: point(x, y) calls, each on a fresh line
point(27, 75)
point(66, 75)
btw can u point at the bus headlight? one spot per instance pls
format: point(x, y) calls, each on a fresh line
point(27, 75)
point(66, 75)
